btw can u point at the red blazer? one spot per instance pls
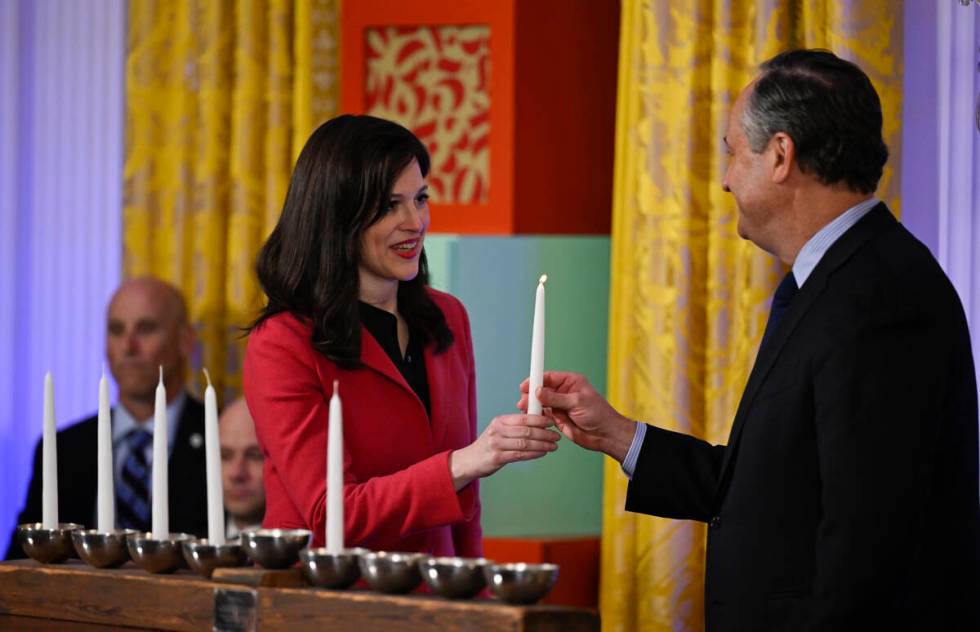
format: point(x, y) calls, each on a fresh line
point(398, 492)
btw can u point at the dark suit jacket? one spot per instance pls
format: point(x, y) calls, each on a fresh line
point(847, 496)
point(78, 477)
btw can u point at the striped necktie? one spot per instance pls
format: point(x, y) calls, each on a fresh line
point(133, 491)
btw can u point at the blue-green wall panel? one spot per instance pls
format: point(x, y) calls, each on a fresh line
point(495, 278)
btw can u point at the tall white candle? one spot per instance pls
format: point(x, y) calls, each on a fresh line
point(161, 512)
point(335, 475)
point(106, 494)
point(212, 447)
point(49, 460)
point(537, 350)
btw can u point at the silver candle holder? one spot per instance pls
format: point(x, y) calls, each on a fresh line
point(275, 548)
point(331, 570)
point(157, 556)
point(521, 583)
point(48, 546)
point(454, 577)
point(102, 549)
point(393, 573)
point(203, 556)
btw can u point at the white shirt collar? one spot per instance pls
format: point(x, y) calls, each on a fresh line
point(123, 421)
point(818, 245)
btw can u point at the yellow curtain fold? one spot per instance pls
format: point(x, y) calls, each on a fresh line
point(220, 97)
point(689, 299)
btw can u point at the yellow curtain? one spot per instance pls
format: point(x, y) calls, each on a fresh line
point(220, 97)
point(689, 299)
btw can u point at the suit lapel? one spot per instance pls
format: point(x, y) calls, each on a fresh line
point(188, 493)
point(874, 222)
point(435, 370)
point(375, 359)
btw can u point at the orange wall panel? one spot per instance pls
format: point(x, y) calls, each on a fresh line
point(536, 153)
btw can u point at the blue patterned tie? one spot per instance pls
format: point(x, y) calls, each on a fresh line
point(133, 491)
point(780, 303)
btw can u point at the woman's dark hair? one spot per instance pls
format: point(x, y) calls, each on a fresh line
point(830, 109)
point(341, 185)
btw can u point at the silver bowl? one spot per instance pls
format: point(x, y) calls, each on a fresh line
point(521, 583)
point(275, 548)
point(157, 556)
point(48, 546)
point(393, 573)
point(203, 557)
point(454, 577)
point(102, 549)
point(331, 570)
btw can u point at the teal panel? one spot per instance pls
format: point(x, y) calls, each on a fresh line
point(495, 278)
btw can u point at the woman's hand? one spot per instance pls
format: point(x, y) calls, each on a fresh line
point(508, 438)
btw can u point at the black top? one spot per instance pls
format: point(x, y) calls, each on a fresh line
point(384, 327)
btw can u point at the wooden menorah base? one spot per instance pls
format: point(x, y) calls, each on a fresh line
point(74, 596)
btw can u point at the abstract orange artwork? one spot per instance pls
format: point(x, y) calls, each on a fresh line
point(435, 80)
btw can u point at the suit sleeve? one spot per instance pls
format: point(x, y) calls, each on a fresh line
point(283, 391)
point(468, 535)
point(676, 476)
point(32, 506)
point(876, 420)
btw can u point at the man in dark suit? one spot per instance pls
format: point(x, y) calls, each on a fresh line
point(847, 495)
point(147, 327)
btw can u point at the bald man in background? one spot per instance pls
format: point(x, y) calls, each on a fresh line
point(241, 469)
point(146, 328)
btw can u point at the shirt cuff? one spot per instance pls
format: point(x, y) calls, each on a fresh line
point(629, 463)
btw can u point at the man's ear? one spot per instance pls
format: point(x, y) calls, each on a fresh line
point(783, 156)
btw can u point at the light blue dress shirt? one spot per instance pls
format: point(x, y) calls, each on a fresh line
point(123, 422)
point(807, 259)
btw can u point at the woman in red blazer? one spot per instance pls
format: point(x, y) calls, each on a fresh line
point(348, 299)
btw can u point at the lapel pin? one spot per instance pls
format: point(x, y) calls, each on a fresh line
point(196, 440)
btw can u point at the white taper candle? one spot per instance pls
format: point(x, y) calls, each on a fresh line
point(537, 350)
point(49, 460)
point(106, 497)
point(212, 447)
point(335, 475)
point(161, 510)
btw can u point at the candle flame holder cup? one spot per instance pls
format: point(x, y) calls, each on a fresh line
point(203, 557)
point(331, 570)
point(454, 577)
point(102, 549)
point(521, 583)
point(48, 546)
point(275, 548)
point(393, 573)
point(157, 556)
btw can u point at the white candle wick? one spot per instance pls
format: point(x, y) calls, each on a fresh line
point(335, 473)
point(536, 378)
point(160, 493)
point(212, 452)
point(105, 495)
point(49, 459)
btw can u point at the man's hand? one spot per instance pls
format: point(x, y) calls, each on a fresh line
point(582, 414)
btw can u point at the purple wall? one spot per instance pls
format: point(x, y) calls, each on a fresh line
point(920, 187)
